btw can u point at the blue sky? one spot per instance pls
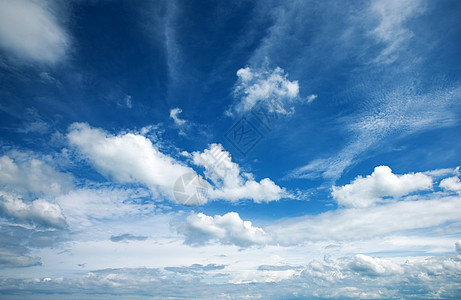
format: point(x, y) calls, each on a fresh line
point(230, 149)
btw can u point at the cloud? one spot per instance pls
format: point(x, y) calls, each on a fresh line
point(86, 207)
point(10, 258)
point(132, 158)
point(39, 212)
point(127, 237)
point(395, 112)
point(174, 114)
point(362, 223)
point(230, 184)
point(195, 269)
point(352, 277)
point(391, 30)
point(254, 86)
point(371, 266)
point(451, 184)
point(363, 192)
point(30, 30)
point(127, 158)
point(226, 229)
point(29, 175)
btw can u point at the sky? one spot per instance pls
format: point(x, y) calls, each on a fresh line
point(230, 149)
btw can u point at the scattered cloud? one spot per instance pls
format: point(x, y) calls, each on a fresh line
point(174, 114)
point(372, 266)
point(25, 175)
point(358, 277)
point(132, 158)
point(451, 184)
point(227, 229)
point(127, 158)
point(38, 212)
point(257, 85)
point(127, 237)
point(30, 30)
point(400, 112)
point(232, 184)
point(195, 268)
point(363, 192)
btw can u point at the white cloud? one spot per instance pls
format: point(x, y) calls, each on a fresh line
point(128, 158)
point(85, 207)
point(174, 114)
point(311, 98)
point(226, 229)
point(230, 183)
point(363, 192)
point(391, 29)
point(40, 212)
point(32, 176)
point(373, 266)
point(451, 184)
point(254, 86)
point(397, 112)
point(132, 158)
point(30, 30)
point(362, 223)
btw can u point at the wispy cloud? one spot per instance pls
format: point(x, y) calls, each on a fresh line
point(31, 30)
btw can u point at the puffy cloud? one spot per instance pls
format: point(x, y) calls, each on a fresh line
point(451, 184)
point(40, 212)
point(364, 192)
point(373, 266)
point(230, 183)
point(32, 176)
point(226, 229)
point(174, 114)
point(254, 86)
point(132, 158)
point(30, 30)
point(127, 158)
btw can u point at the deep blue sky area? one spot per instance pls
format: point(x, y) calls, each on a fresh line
point(266, 149)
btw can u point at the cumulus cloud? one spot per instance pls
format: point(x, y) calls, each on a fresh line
point(451, 184)
point(30, 30)
point(373, 266)
point(256, 85)
point(230, 184)
point(363, 192)
point(39, 212)
point(32, 176)
point(174, 114)
point(127, 158)
point(225, 229)
point(132, 158)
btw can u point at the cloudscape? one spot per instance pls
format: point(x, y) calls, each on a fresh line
point(230, 149)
